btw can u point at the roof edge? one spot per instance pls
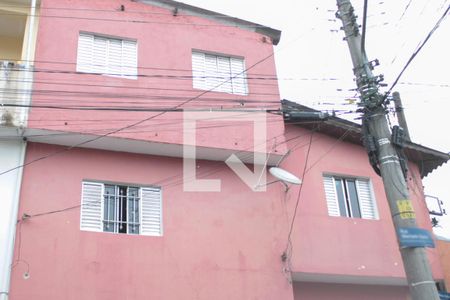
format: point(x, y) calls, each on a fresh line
point(427, 158)
point(274, 34)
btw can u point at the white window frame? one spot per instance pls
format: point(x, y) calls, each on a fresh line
point(92, 212)
point(117, 57)
point(219, 73)
point(366, 197)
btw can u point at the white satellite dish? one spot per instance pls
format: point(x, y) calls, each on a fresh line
point(284, 176)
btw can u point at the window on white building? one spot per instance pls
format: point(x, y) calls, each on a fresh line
point(121, 209)
point(219, 73)
point(350, 197)
point(108, 56)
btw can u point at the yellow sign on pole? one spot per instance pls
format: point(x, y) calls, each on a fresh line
point(406, 209)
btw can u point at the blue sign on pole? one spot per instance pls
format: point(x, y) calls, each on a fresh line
point(444, 296)
point(415, 237)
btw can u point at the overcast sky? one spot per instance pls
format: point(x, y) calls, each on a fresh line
point(314, 66)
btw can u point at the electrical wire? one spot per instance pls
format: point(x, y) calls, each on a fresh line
point(132, 77)
point(134, 21)
point(113, 95)
point(425, 84)
point(404, 11)
point(146, 119)
point(291, 227)
point(173, 181)
point(127, 11)
point(140, 109)
point(130, 125)
point(436, 26)
point(255, 76)
point(287, 254)
point(103, 86)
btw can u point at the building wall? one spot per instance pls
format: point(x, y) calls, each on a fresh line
point(223, 245)
point(165, 45)
point(316, 291)
point(443, 247)
point(337, 245)
point(230, 241)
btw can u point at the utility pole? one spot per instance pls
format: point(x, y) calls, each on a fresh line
point(400, 114)
point(385, 159)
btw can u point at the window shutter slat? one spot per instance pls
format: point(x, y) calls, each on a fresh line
point(366, 201)
point(151, 218)
point(114, 66)
point(224, 74)
point(211, 72)
point(100, 55)
point(239, 76)
point(198, 70)
point(129, 59)
point(85, 53)
point(91, 206)
point(330, 193)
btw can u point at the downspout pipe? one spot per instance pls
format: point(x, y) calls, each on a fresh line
point(9, 247)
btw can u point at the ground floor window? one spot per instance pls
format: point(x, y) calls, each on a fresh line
point(119, 208)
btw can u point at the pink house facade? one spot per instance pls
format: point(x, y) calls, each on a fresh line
point(348, 257)
point(105, 210)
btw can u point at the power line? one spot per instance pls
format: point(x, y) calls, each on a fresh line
point(177, 23)
point(39, 62)
point(119, 75)
point(143, 120)
point(404, 11)
point(166, 182)
point(417, 51)
point(127, 11)
point(291, 227)
point(269, 109)
point(255, 76)
point(133, 124)
point(87, 84)
point(425, 84)
point(163, 129)
point(160, 182)
point(288, 254)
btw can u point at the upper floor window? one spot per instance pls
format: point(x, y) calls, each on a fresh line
point(219, 73)
point(108, 56)
point(121, 209)
point(349, 197)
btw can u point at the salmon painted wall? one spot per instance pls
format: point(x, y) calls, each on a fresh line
point(444, 255)
point(315, 291)
point(165, 43)
point(223, 245)
point(337, 245)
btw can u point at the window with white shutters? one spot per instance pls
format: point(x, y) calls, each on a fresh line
point(107, 56)
point(219, 73)
point(349, 197)
point(121, 209)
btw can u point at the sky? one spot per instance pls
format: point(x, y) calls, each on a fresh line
point(314, 65)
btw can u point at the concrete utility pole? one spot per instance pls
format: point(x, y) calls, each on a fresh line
point(384, 158)
point(400, 114)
